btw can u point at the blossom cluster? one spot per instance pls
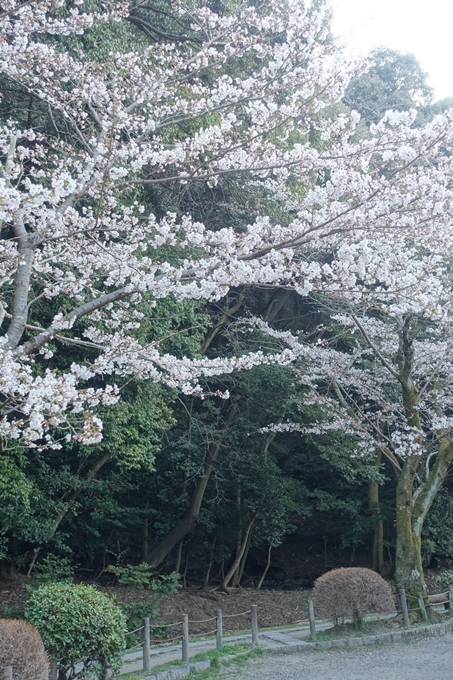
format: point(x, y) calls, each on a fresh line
point(383, 216)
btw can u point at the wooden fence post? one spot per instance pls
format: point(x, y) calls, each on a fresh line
point(421, 604)
point(404, 607)
point(53, 670)
point(6, 673)
point(185, 637)
point(146, 646)
point(254, 613)
point(219, 631)
point(311, 616)
point(450, 601)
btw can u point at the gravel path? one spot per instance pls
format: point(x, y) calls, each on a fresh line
point(426, 659)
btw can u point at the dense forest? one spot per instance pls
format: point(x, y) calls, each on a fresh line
point(226, 297)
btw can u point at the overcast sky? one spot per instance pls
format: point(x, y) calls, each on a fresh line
point(417, 26)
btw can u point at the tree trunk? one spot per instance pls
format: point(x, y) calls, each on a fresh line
point(145, 533)
point(408, 559)
point(266, 569)
point(241, 567)
point(234, 566)
point(179, 556)
point(411, 511)
point(186, 566)
point(235, 580)
point(211, 559)
point(189, 521)
point(377, 553)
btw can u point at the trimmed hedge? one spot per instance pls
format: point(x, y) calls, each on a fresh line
point(79, 624)
point(22, 648)
point(352, 592)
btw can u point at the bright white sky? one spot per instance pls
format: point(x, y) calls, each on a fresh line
point(422, 27)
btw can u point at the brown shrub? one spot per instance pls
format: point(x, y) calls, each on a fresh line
point(352, 592)
point(21, 647)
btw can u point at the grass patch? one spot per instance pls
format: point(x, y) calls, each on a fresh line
point(228, 655)
point(359, 629)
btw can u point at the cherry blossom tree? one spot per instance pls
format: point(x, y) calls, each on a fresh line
point(370, 224)
point(382, 369)
point(71, 226)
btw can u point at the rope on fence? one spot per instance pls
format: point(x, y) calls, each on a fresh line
point(157, 625)
point(163, 642)
point(232, 616)
point(140, 644)
point(213, 618)
point(210, 632)
point(166, 625)
point(134, 631)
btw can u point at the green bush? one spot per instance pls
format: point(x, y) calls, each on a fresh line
point(134, 576)
point(445, 580)
point(79, 624)
point(53, 568)
point(143, 576)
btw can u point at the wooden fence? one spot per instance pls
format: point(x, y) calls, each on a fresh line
point(147, 641)
point(219, 618)
point(183, 625)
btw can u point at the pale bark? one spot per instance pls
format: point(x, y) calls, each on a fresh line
point(266, 569)
point(87, 308)
point(179, 556)
point(234, 566)
point(26, 247)
point(211, 560)
point(239, 573)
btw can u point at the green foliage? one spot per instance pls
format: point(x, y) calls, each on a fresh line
point(166, 584)
point(53, 568)
point(135, 612)
point(12, 612)
point(445, 579)
point(143, 576)
point(79, 624)
point(394, 80)
point(133, 427)
point(437, 534)
point(135, 576)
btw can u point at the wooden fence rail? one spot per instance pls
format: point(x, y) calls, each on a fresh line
point(439, 598)
point(218, 631)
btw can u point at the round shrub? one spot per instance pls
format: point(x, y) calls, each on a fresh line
point(21, 647)
point(352, 592)
point(79, 624)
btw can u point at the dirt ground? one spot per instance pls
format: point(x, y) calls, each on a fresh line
point(275, 607)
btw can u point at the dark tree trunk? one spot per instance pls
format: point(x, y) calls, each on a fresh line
point(377, 553)
point(189, 521)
